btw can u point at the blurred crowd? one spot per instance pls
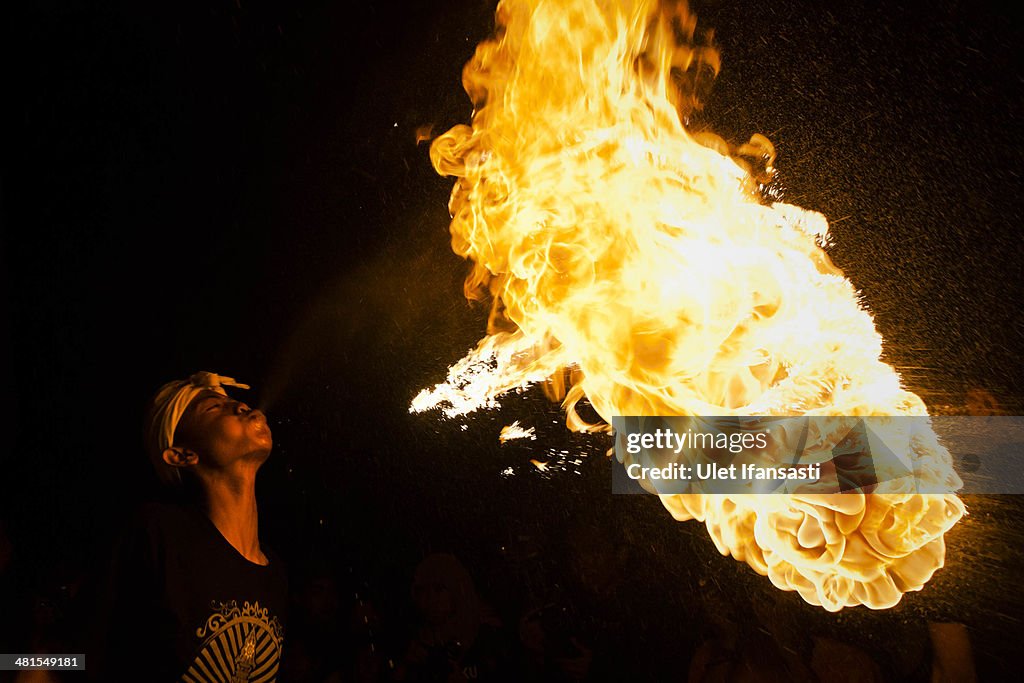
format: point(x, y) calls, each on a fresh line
point(446, 626)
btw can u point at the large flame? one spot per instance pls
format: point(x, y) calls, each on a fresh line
point(637, 265)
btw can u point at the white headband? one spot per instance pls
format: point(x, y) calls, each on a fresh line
point(172, 400)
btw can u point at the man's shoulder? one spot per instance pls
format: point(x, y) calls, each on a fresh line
point(156, 513)
point(160, 519)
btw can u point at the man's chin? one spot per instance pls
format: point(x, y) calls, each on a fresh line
point(260, 435)
point(259, 452)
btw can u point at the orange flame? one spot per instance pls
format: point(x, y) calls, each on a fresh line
point(637, 266)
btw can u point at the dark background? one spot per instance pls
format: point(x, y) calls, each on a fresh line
point(235, 186)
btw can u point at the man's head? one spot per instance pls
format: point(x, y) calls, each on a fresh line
point(193, 425)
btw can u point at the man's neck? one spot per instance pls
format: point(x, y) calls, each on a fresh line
point(230, 503)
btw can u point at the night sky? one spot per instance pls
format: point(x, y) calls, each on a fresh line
point(236, 187)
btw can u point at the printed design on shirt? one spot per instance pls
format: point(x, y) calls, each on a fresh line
point(240, 643)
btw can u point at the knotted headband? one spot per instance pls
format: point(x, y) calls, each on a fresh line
point(171, 402)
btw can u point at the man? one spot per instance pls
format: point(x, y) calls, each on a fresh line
point(194, 596)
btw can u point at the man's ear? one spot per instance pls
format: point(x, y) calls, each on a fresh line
point(176, 456)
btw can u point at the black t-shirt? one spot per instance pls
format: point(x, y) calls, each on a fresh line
point(183, 604)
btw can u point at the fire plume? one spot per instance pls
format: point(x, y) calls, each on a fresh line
point(636, 265)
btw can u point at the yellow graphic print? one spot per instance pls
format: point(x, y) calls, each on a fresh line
point(241, 644)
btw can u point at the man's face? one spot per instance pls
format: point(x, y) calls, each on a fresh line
point(223, 431)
